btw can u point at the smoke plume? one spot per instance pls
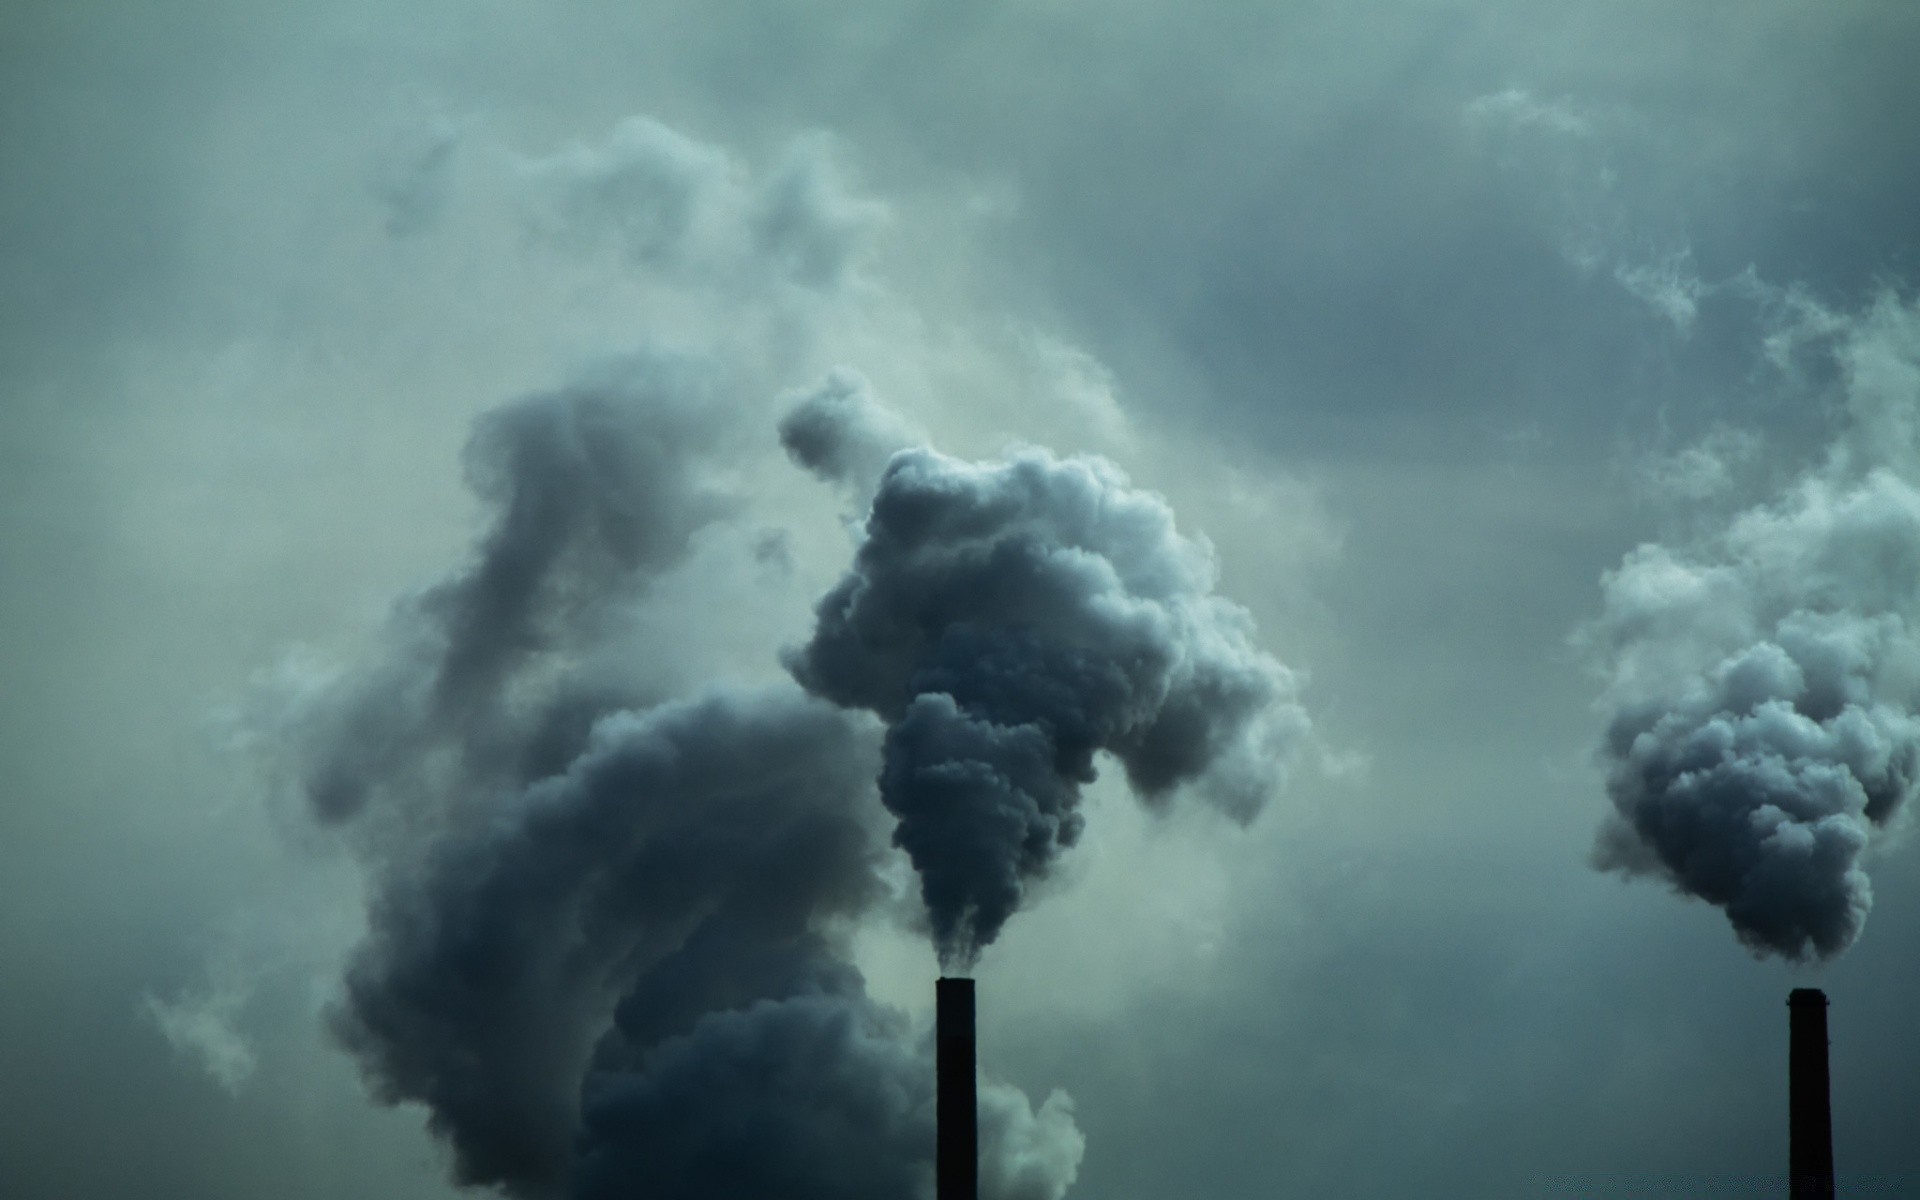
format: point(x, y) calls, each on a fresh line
point(1763, 692)
point(595, 487)
point(686, 208)
point(1010, 620)
point(841, 434)
point(607, 942)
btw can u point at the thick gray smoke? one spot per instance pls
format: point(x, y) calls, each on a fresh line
point(594, 487)
point(1764, 691)
point(840, 433)
point(1010, 620)
point(688, 860)
point(607, 936)
point(819, 1096)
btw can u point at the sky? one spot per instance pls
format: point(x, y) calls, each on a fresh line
point(1498, 406)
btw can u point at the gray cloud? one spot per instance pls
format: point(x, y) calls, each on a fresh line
point(1009, 620)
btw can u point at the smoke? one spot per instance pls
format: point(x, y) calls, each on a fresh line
point(496, 967)
point(812, 1097)
point(818, 1096)
point(414, 181)
point(1008, 621)
point(201, 1025)
point(595, 487)
point(1763, 693)
point(840, 433)
point(607, 933)
point(672, 204)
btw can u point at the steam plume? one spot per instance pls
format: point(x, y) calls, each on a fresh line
point(1009, 620)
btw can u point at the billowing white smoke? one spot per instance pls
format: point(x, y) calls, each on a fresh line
point(1763, 691)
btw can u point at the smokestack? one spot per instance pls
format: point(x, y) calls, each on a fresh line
point(1810, 1156)
point(957, 1160)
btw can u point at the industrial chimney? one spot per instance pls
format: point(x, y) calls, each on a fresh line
point(957, 1156)
point(1810, 1154)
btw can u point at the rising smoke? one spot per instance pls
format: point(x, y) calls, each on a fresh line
point(839, 432)
point(607, 933)
point(1764, 686)
point(1009, 621)
point(596, 487)
point(687, 209)
point(609, 922)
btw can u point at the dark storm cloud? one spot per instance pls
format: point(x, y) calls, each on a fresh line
point(1764, 691)
point(1009, 620)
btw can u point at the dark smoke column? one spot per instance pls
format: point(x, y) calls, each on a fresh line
point(1810, 1157)
point(1765, 727)
point(958, 1107)
point(1015, 624)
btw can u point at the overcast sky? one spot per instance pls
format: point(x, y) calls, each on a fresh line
point(1422, 314)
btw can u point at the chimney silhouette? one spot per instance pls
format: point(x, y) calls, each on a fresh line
point(1810, 1153)
point(957, 1154)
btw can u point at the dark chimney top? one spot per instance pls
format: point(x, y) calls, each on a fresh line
point(1810, 1153)
point(956, 1110)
